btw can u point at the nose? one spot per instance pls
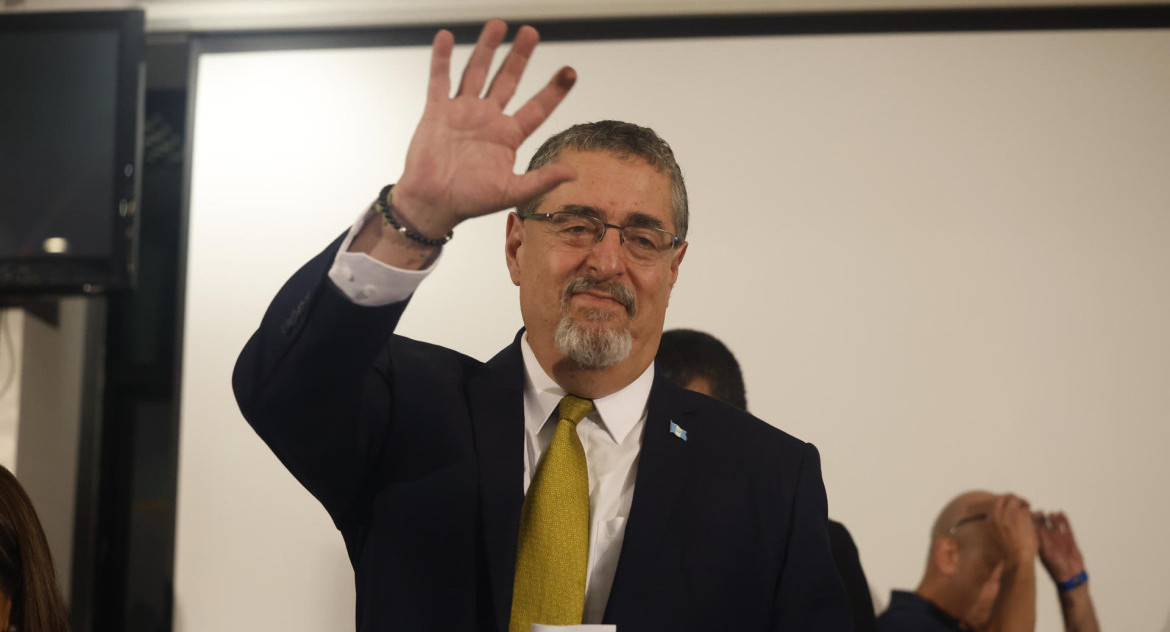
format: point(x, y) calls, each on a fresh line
point(606, 258)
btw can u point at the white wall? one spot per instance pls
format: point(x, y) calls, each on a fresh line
point(11, 329)
point(941, 258)
point(46, 399)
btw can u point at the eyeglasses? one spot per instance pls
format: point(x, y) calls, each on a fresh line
point(642, 243)
point(964, 521)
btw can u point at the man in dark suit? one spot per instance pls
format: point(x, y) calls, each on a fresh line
point(561, 482)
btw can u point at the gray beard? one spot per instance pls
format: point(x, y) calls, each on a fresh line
point(596, 347)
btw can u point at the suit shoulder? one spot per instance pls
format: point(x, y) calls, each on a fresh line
point(429, 352)
point(414, 364)
point(733, 424)
point(752, 427)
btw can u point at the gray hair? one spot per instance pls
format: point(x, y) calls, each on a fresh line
point(624, 140)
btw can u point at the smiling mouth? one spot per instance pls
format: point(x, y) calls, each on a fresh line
point(602, 292)
point(601, 297)
point(597, 307)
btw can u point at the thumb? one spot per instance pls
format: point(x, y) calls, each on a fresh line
point(536, 183)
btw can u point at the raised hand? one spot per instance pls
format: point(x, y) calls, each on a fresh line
point(1058, 549)
point(461, 160)
point(1012, 529)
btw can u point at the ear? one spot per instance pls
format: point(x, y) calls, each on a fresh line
point(945, 552)
point(513, 240)
point(675, 261)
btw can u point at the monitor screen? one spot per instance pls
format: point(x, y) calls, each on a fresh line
point(69, 138)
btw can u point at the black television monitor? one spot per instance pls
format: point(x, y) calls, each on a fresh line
point(71, 88)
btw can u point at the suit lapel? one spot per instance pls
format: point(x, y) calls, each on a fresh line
point(663, 467)
point(496, 398)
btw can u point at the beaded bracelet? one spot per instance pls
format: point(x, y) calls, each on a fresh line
point(1076, 580)
point(401, 225)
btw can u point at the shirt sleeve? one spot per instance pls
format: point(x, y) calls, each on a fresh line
point(367, 281)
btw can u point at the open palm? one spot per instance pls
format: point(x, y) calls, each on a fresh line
point(461, 160)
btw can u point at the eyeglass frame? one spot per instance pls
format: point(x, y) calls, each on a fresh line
point(972, 518)
point(675, 240)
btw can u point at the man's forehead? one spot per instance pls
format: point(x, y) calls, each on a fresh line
point(982, 503)
point(612, 187)
point(633, 217)
point(962, 506)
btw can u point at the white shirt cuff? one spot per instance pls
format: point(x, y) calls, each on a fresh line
point(367, 281)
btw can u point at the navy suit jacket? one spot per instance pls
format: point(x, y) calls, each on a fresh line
point(416, 452)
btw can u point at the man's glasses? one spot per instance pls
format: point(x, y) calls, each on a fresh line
point(642, 243)
point(964, 521)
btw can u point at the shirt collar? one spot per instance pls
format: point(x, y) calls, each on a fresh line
point(617, 413)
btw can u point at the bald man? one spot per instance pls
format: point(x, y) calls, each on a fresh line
point(981, 570)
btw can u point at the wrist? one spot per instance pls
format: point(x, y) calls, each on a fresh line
point(1063, 573)
point(429, 221)
point(396, 221)
point(1072, 583)
point(1019, 559)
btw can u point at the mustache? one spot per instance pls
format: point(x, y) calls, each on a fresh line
point(613, 289)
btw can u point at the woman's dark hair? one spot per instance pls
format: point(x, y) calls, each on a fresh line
point(686, 354)
point(26, 567)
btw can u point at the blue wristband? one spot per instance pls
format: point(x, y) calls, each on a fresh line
point(1076, 580)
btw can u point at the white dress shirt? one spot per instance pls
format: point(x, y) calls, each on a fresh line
point(612, 437)
point(367, 281)
point(611, 434)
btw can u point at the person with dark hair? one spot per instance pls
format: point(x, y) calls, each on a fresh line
point(700, 362)
point(562, 482)
point(30, 600)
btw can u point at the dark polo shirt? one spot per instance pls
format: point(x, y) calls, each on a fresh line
point(910, 613)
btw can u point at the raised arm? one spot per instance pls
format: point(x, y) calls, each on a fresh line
point(461, 160)
point(1065, 565)
point(317, 379)
point(1012, 529)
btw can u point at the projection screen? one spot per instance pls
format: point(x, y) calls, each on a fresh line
point(940, 257)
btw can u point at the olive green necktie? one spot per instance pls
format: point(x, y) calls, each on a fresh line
point(553, 552)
